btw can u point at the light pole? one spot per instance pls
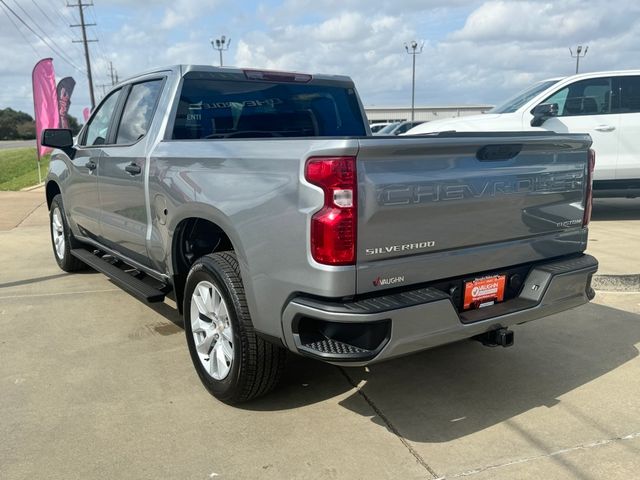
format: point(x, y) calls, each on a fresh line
point(578, 55)
point(412, 49)
point(221, 44)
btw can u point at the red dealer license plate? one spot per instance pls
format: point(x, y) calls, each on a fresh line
point(483, 292)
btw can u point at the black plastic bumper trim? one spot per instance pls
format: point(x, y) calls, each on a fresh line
point(380, 304)
point(342, 350)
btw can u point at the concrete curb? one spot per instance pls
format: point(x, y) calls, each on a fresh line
point(34, 187)
point(616, 283)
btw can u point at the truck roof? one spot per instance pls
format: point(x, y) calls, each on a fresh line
point(181, 69)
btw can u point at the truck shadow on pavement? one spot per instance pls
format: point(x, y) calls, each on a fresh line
point(607, 209)
point(29, 281)
point(45, 278)
point(459, 389)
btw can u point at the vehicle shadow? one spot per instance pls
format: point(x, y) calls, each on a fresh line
point(607, 209)
point(30, 281)
point(455, 390)
point(169, 312)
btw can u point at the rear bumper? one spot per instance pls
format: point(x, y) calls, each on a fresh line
point(380, 328)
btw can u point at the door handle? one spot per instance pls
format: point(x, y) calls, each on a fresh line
point(605, 128)
point(133, 169)
point(91, 165)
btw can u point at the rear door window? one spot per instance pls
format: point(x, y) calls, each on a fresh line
point(629, 94)
point(254, 109)
point(138, 111)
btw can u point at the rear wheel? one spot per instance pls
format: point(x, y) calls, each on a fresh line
point(62, 238)
point(233, 363)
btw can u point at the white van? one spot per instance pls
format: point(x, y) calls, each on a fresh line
point(606, 105)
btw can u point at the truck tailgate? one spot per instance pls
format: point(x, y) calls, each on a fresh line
point(456, 204)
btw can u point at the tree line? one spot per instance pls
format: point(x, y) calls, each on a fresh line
point(15, 125)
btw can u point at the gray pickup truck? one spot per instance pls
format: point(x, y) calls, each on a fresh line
point(260, 202)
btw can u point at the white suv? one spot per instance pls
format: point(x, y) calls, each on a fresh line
point(606, 105)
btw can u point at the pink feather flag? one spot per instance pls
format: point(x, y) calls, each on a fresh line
point(45, 100)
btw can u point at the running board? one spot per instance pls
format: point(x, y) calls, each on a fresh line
point(124, 280)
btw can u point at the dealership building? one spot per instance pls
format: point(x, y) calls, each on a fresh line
point(398, 114)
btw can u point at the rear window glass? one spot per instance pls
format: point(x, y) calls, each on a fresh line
point(247, 109)
point(630, 95)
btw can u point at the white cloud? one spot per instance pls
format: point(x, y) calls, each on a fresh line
point(506, 45)
point(501, 46)
point(544, 22)
point(367, 48)
point(181, 12)
point(475, 51)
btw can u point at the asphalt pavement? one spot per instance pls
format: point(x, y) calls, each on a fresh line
point(12, 144)
point(95, 384)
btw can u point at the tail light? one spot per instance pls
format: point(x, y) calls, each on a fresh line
point(334, 227)
point(588, 205)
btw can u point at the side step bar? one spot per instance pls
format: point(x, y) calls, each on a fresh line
point(123, 279)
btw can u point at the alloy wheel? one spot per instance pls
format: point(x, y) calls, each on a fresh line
point(211, 329)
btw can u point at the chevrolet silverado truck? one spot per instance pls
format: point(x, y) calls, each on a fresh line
point(262, 205)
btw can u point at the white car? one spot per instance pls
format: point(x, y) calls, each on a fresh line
point(606, 105)
point(378, 126)
point(399, 128)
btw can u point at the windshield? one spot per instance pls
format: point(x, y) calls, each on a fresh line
point(388, 129)
point(514, 103)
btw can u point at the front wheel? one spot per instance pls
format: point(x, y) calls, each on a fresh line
point(233, 363)
point(62, 238)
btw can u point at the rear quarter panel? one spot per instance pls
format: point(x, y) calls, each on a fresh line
point(256, 192)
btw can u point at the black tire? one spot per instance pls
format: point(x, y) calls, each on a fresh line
point(257, 365)
point(66, 261)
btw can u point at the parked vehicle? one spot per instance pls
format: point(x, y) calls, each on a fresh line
point(399, 128)
point(606, 105)
point(258, 202)
point(377, 126)
point(389, 127)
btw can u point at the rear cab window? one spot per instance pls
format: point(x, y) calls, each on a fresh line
point(211, 108)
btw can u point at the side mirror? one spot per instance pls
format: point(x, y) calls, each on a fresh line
point(543, 112)
point(60, 138)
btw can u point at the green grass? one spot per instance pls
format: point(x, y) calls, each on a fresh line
point(19, 169)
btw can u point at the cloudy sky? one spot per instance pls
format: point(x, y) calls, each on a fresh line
point(475, 52)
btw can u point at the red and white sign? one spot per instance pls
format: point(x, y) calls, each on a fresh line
point(484, 291)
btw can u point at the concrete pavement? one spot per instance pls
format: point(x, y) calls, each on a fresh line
point(614, 235)
point(18, 206)
point(95, 384)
